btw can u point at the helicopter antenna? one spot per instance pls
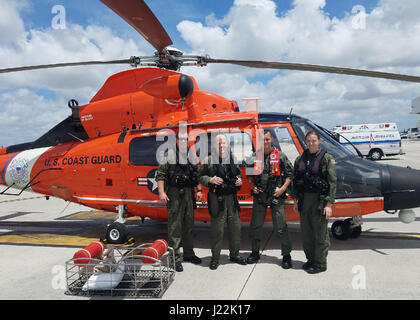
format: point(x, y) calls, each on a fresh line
point(72, 135)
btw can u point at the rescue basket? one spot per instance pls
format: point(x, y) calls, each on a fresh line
point(124, 273)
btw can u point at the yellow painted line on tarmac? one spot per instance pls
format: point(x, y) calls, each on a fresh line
point(96, 214)
point(45, 239)
point(65, 240)
point(391, 235)
point(92, 214)
point(57, 240)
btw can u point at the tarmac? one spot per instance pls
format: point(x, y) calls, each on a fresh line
point(37, 237)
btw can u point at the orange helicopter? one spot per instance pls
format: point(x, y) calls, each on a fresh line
point(104, 155)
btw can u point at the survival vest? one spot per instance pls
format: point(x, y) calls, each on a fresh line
point(309, 176)
point(273, 172)
point(228, 172)
point(183, 175)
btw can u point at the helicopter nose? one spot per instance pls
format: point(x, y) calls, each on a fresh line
point(401, 187)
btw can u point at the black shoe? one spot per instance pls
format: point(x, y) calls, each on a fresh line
point(253, 257)
point(214, 264)
point(315, 269)
point(193, 259)
point(178, 266)
point(307, 265)
point(287, 262)
point(238, 260)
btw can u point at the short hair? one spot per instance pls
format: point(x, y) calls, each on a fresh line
point(313, 132)
point(222, 135)
point(267, 131)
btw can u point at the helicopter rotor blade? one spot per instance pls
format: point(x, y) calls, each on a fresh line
point(138, 15)
point(316, 68)
point(69, 64)
point(204, 60)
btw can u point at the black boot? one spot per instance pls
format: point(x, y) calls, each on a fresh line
point(287, 262)
point(238, 260)
point(178, 266)
point(253, 257)
point(193, 259)
point(307, 265)
point(214, 264)
point(315, 269)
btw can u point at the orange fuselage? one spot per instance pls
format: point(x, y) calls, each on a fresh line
point(133, 104)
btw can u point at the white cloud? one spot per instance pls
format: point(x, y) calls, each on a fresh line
point(307, 34)
point(249, 30)
point(25, 114)
point(19, 47)
point(11, 26)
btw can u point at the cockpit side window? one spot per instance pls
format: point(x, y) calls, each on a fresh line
point(143, 151)
point(284, 142)
point(328, 143)
point(240, 144)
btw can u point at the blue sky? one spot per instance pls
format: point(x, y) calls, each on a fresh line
point(309, 31)
point(170, 13)
point(39, 16)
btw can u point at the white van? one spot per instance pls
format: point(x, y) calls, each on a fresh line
point(373, 140)
point(413, 133)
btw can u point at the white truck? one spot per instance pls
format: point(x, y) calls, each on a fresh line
point(413, 133)
point(373, 140)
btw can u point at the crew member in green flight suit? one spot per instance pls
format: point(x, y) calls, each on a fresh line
point(181, 177)
point(314, 187)
point(269, 190)
point(222, 176)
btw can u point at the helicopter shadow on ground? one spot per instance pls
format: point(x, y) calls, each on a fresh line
point(271, 246)
point(16, 215)
point(150, 230)
point(82, 229)
point(51, 227)
point(369, 240)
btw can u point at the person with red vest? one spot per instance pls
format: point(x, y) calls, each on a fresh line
point(269, 188)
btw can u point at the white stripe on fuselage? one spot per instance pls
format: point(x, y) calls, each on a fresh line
point(243, 204)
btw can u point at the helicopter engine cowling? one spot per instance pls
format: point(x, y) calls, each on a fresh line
point(173, 87)
point(137, 98)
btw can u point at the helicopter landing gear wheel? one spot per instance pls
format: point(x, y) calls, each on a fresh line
point(348, 228)
point(116, 233)
point(356, 229)
point(356, 232)
point(341, 229)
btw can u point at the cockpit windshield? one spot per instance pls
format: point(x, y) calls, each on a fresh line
point(328, 143)
point(355, 177)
